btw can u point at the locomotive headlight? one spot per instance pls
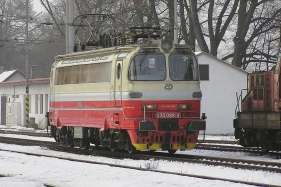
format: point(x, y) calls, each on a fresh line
point(149, 107)
point(167, 45)
point(184, 106)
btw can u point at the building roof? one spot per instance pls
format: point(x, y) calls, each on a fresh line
point(230, 65)
point(23, 82)
point(7, 74)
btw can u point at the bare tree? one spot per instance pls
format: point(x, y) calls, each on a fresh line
point(12, 33)
point(255, 18)
point(218, 29)
point(217, 22)
point(49, 9)
point(239, 31)
point(43, 54)
point(186, 20)
point(153, 14)
point(197, 28)
point(248, 22)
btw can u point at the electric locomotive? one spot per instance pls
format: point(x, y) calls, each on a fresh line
point(128, 95)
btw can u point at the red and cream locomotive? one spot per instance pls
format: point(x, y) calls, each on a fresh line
point(134, 97)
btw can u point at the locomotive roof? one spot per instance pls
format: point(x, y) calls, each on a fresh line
point(101, 51)
point(117, 49)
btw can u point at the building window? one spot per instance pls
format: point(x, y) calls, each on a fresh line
point(46, 103)
point(204, 72)
point(15, 96)
point(41, 103)
point(36, 104)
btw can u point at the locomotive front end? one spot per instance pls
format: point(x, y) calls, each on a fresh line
point(165, 97)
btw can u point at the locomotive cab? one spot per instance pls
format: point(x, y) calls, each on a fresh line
point(166, 99)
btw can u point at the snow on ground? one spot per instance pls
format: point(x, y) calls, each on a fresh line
point(31, 171)
point(65, 173)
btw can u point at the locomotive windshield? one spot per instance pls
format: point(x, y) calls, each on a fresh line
point(152, 67)
point(183, 67)
point(148, 67)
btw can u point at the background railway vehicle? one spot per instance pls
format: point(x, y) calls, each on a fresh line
point(258, 122)
point(134, 92)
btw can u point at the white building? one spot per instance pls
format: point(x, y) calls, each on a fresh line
point(9, 76)
point(13, 89)
point(220, 81)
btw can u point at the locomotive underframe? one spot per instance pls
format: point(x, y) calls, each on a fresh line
point(83, 136)
point(259, 129)
point(165, 139)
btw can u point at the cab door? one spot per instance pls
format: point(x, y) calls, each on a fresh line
point(118, 83)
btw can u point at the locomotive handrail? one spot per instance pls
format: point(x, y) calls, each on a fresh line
point(144, 114)
point(237, 109)
point(240, 100)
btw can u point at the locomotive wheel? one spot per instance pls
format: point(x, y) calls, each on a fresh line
point(70, 135)
point(57, 135)
point(70, 145)
point(113, 144)
point(265, 147)
point(172, 151)
point(97, 144)
point(131, 149)
point(70, 142)
point(242, 142)
point(82, 143)
point(85, 144)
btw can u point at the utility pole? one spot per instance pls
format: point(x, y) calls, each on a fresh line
point(2, 54)
point(176, 27)
point(3, 34)
point(26, 68)
point(66, 27)
point(69, 38)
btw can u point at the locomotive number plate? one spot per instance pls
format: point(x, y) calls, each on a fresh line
point(167, 115)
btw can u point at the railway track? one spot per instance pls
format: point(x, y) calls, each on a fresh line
point(251, 150)
point(231, 142)
point(215, 145)
point(28, 133)
point(234, 163)
point(207, 160)
point(223, 147)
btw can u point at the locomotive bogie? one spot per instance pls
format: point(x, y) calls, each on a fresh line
point(265, 138)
